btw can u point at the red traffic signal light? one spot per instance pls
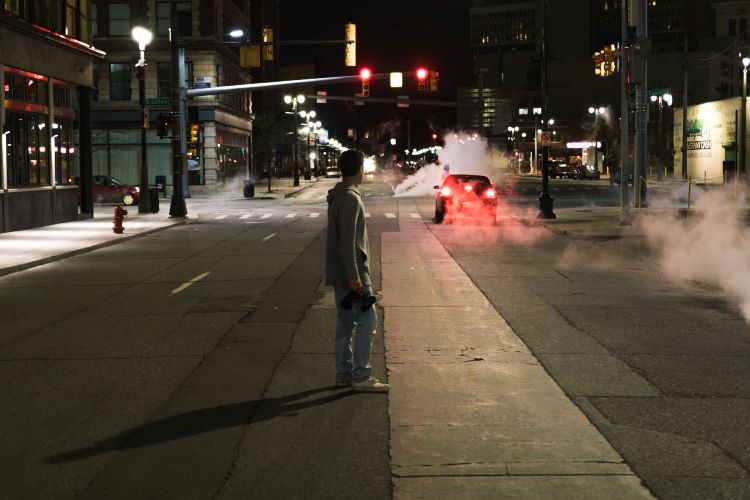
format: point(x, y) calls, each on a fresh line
point(421, 78)
point(434, 136)
point(365, 73)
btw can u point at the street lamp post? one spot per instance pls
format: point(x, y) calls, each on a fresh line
point(545, 200)
point(143, 37)
point(299, 99)
point(659, 146)
point(745, 64)
point(597, 112)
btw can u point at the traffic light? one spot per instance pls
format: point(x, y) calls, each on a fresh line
point(365, 74)
point(433, 83)
point(162, 125)
point(350, 47)
point(194, 133)
point(421, 78)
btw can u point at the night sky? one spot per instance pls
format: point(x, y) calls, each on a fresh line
point(391, 36)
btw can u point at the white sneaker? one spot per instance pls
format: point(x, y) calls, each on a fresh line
point(370, 385)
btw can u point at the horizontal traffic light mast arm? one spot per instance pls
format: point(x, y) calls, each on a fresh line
point(250, 87)
point(385, 100)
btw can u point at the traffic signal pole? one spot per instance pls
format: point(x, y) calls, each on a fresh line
point(545, 200)
point(640, 74)
point(624, 118)
point(177, 207)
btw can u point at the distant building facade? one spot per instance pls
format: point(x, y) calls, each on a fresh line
point(219, 127)
point(47, 77)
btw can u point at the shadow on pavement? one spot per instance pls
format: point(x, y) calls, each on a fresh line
point(203, 420)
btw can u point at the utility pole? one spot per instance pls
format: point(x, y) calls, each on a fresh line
point(545, 200)
point(640, 74)
point(177, 206)
point(624, 117)
point(684, 109)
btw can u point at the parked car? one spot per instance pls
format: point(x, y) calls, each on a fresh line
point(108, 189)
point(588, 172)
point(332, 171)
point(562, 169)
point(471, 196)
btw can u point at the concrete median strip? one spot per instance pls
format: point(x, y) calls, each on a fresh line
point(472, 411)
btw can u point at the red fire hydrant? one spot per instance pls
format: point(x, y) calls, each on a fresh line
point(120, 215)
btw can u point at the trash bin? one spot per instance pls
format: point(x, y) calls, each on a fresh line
point(153, 197)
point(161, 184)
point(249, 190)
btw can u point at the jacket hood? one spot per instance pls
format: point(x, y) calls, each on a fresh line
point(340, 188)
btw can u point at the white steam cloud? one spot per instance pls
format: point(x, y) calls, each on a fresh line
point(712, 246)
point(462, 154)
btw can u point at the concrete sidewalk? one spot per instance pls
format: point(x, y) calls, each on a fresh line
point(473, 412)
point(29, 248)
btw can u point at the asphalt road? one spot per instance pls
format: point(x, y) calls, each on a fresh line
point(197, 361)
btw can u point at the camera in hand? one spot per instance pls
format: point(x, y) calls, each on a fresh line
point(365, 300)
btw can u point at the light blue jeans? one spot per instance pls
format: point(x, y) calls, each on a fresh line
point(354, 365)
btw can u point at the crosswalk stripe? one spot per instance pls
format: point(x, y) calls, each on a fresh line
point(269, 236)
point(314, 214)
point(246, 216)
point(415, 216)
point(266, 216)
point(390, 215)
point(220, 217)
point(289, 216)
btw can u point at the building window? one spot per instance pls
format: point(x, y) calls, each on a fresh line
point(743, 28)
point(732, 27)
point(184, 18)
point(119, 82)
point(119, 19)
point(164, 77)
point(94, 21)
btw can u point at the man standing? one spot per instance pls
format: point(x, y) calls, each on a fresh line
point(348, 270)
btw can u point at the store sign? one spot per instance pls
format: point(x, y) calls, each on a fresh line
point(711, 131)
point(202, 82)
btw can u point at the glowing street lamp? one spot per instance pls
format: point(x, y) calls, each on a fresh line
point(294, 101)
point(143, 37)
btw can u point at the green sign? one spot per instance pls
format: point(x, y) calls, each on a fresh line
point(161, 101)
point(658, 92)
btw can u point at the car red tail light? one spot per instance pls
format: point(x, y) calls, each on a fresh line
point(490, 193)
point(446, 191)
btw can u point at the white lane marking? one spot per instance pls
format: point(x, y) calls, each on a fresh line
point(189, 282)
point(220, 217)
point(246, 216)
point(415, 216)
point(292, 215)
point(269, 236)
point(571, 189)
point(266, 216)
point(390, 215)
point(255, 222)
point(367, 214)
point(314, 214)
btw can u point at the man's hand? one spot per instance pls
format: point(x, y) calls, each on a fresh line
point(355, 285)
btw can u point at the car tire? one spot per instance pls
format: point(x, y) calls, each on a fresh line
point(128, 199)
point(439, 217)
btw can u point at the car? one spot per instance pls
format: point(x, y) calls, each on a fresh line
point(333, 171)
point(588, 172)
point(562, 169)
point(108, 189)
point(462, 195)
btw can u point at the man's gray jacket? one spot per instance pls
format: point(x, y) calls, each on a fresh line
point(347, 250)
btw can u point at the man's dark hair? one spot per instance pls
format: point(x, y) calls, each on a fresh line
point(350, 162)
